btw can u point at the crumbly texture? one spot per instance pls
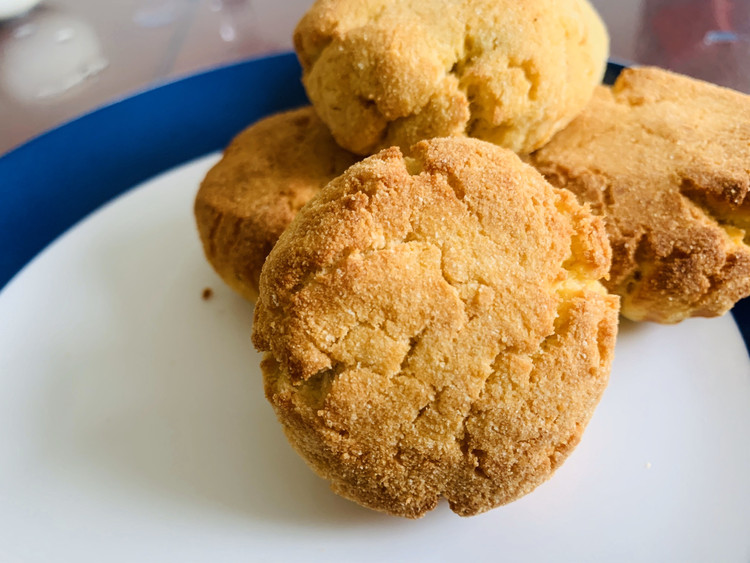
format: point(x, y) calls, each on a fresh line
point(391, 72)
point(266, 175)
point(433, 328)
point(665, 159)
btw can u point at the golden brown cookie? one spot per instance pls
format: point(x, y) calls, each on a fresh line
point(665, 159)
point(433, 328)
point(266, 174)
point(386, 72)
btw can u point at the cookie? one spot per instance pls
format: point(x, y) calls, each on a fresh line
point(433, 327)
point(267, 173)
point(664, 159)
point(389, 73)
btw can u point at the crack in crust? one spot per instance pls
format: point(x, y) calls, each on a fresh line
point(663, 158)
point(433, 327)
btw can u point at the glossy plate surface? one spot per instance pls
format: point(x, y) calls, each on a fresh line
point(134, 426)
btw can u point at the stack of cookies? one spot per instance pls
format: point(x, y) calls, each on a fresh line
point(438, 318)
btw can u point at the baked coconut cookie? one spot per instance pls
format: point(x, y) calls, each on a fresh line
point(665, 159)
point(267, 173)
point(385, 72)
point(433, 327)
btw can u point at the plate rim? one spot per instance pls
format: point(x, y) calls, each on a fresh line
point(47, 188)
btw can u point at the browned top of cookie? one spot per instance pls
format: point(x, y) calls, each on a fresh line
point(665, 159)
point(267, 173)
point(434, 327)
point(388, 72)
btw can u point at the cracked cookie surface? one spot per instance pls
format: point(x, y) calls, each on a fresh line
point(250, 196)
point(387, 72)
point(665, 159)
point(434, 327)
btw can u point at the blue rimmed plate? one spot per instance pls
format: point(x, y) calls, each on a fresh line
point(134, 423)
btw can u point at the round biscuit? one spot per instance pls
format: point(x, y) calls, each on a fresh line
point(663, 158)
point(265, 176)
point(433, 327)
point(385, 72)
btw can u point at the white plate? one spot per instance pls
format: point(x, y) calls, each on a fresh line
point(134, 427)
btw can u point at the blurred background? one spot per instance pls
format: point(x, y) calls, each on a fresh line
point(62, 58)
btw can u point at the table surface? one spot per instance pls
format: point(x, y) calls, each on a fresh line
point(65, 58)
